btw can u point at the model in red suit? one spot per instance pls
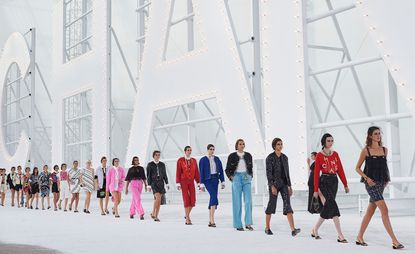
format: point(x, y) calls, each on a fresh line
point(186, 174)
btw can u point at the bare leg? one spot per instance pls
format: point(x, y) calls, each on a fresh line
point(37, 200)
point(385, 219)
point(48, 200)
point(107, 196)
point(87, 200)
point(101, 205)
point(18, 198)
point(336, 221)
point(290, 219)
point(371, 208)
point(72, 200)
point(317, 226)
point(43, 202)
point(76, 201)
point(65, 204)
point(267, 221)
point(187, 212)
point(12, 191)
point(158, 204)
point(212, 214)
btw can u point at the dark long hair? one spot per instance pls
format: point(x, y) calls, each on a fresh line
point(370, 133)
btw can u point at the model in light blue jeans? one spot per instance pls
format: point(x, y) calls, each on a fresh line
point(241, 183)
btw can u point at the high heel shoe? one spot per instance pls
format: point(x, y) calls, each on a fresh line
point(397, 246)
point(361, 242)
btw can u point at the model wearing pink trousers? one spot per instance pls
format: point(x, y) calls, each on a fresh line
point(135, 179)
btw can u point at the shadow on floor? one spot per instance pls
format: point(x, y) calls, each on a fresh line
point(6, 248)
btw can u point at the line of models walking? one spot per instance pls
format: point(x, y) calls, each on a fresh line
point(208, 174)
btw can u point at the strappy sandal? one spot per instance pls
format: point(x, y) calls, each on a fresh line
point(157, 219)
point(361, 242)
point(212, 225)
point(397, 246)
point(342, 241)
point(250, 228)
point(315, 236)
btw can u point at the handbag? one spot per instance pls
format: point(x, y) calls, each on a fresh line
point(316, 205)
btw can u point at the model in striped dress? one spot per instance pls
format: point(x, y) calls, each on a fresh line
point(75, 184)
point(87, 181)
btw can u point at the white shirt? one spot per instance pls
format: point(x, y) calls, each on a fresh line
point(213, 169)
point(241, 164)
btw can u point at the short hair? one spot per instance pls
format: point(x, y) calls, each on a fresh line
point(237, 142)
point(132, 161)
point(186, 147)
point(27, 169)
point(75, 161)
point(274, 142)
point(314, 153)
point(13, 168)
point(63, 164)
point(115, 159)
point(209, 146)
point(56, 166)
point(324, 138)
point(155, 152)
point(103, 158)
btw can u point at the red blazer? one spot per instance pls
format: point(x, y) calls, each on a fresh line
point(187, 170)
point(328, 165)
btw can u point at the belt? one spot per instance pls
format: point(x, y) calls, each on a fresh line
point(328, 174)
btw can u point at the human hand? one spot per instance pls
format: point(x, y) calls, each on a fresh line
point(290, 191)
point(222, 185)
point(370, 182)
point(346, 189)
point(315, 194)
point(274, 190)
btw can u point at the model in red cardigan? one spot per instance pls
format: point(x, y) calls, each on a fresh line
point(186, 175)
point(330, 164)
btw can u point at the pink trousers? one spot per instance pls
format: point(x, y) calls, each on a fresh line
point(136, 186)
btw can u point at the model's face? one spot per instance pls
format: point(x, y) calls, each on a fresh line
point(211, 151)
point(13, 170)
point(27, 170)
point(136, 161)
point(19, 171)
point(188, 152)
point(56, 169)
point(116, 163)
point(88, 164)
point(241, 146)
point(278, 146)
point(329, 142)
point(104, 162)
point(63, 167)
point(156, 157)
point(45, 169)
point(75, 164)
point(313, 157)
point(376, 136)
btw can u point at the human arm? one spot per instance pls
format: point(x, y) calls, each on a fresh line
point(341, 174)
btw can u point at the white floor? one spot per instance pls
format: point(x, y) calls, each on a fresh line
point(93, 233)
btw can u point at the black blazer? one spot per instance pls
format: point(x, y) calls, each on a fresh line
point(274, 172)
point(152, 172)
point(232, 164)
